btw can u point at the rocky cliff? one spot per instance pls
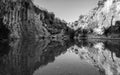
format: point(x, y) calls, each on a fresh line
point(22, 19)
point(102, 20)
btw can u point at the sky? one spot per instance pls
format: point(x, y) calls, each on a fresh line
point(68, 10)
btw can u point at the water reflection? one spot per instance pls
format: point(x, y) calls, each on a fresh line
point(25, 56)
point(103, 54)
point(45, 57)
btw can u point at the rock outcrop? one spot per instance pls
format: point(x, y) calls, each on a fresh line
point(23, 19)
point(102, 20)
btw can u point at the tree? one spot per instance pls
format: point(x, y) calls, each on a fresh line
point(101, 2)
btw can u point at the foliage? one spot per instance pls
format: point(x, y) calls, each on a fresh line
point(53, 24)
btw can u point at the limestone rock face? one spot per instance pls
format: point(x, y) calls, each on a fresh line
point(22, 20)
point(105, 15)
point(25, 20)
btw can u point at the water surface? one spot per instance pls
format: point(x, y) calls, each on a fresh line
point(45, 57)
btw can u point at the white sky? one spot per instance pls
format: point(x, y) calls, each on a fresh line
point(68, 10)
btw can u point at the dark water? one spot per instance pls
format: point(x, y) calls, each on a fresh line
point(45, 57)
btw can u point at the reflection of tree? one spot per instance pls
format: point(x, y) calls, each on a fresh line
point(113, 46)
point(4, 48)
point(84, 42)
point(25, 56)
point(104, 55)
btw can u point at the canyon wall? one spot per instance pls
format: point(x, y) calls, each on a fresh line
point(103, 19)
point(23, 19)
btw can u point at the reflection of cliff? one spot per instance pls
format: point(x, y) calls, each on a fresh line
point(103, 55)
point(26, 56)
